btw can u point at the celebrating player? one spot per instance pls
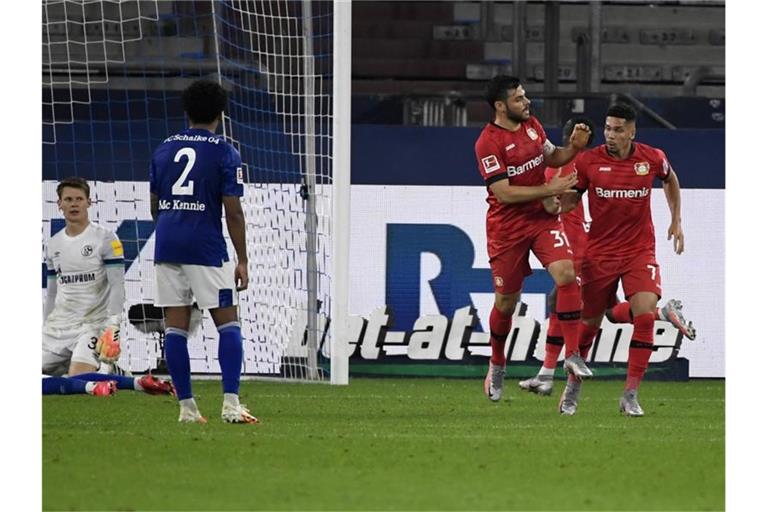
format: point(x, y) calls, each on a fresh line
point(512, 153)
point(84, 303)
point(621, 245)
point(576, 229)
point(192, 174)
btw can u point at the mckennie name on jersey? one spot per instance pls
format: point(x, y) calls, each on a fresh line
point(190, 172)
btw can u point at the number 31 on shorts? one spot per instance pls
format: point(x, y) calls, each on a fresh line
point(560, 238)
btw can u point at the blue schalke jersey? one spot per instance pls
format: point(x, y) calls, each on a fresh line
point(190, 173)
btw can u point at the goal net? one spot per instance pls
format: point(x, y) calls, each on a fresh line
point(113, 72)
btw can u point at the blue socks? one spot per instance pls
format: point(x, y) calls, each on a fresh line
point(63, 386)
point(177, 357)
point(230, 359)
point(123, 382)
point(230, 356)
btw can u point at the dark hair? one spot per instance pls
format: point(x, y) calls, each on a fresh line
point(204, 101)
point(571, 124)
point(74, 182)
point(497, 88)
point(623, 111)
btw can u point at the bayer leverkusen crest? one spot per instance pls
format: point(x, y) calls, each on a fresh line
point(642, 168)
point(532, 133)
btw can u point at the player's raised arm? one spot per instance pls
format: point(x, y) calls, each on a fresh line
point(556, 156)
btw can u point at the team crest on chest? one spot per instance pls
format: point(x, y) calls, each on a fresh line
point(532, 133)
point(642, 168)
point(87, 250)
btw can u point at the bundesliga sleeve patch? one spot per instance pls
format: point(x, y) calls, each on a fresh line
point(239, 175)
point(117, 248)
point(490, 164)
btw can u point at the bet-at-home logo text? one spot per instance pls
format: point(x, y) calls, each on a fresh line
point(436, 337)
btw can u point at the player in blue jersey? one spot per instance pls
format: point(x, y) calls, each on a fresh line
point(192, 175)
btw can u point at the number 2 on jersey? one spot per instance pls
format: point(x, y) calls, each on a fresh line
point(178, 188)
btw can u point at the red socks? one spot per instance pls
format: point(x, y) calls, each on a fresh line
point(587, 335)
point(569, 313)
point(554, 342)
point(500, 324)
point(640, 349)
point(621, 313)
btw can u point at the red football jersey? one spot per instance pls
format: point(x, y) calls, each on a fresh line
point(517, 156)
point(619, 194)
point(573, 221)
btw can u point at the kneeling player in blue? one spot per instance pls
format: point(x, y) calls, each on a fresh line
point(192, 175)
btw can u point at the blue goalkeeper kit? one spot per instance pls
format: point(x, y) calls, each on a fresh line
point(190, 172)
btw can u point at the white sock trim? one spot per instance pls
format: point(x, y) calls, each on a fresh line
point(188, 403)
point(546, 371)
point(231, 399)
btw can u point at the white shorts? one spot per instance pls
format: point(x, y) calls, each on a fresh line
point(60, 348)
point(183, 285)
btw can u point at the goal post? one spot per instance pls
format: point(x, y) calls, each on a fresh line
point(113, 72)
point(342, 94)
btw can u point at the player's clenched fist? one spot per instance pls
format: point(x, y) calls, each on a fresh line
point(580, 136)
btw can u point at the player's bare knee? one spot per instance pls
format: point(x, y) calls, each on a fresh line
point(506, 302)
point(223, 316)
point(642, 303)
point(78, 368)
point(177, 317)
point(562, 272)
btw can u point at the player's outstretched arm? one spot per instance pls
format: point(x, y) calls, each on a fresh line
point(675, 231)
point(562, 155)
point(512, 194)
point(233, 211)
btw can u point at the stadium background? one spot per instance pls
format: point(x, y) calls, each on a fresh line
point(418, 71)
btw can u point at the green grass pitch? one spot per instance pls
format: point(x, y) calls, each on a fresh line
point(389, 444)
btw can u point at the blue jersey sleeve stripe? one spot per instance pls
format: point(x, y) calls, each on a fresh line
point(114, 261)
point(50, 273)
